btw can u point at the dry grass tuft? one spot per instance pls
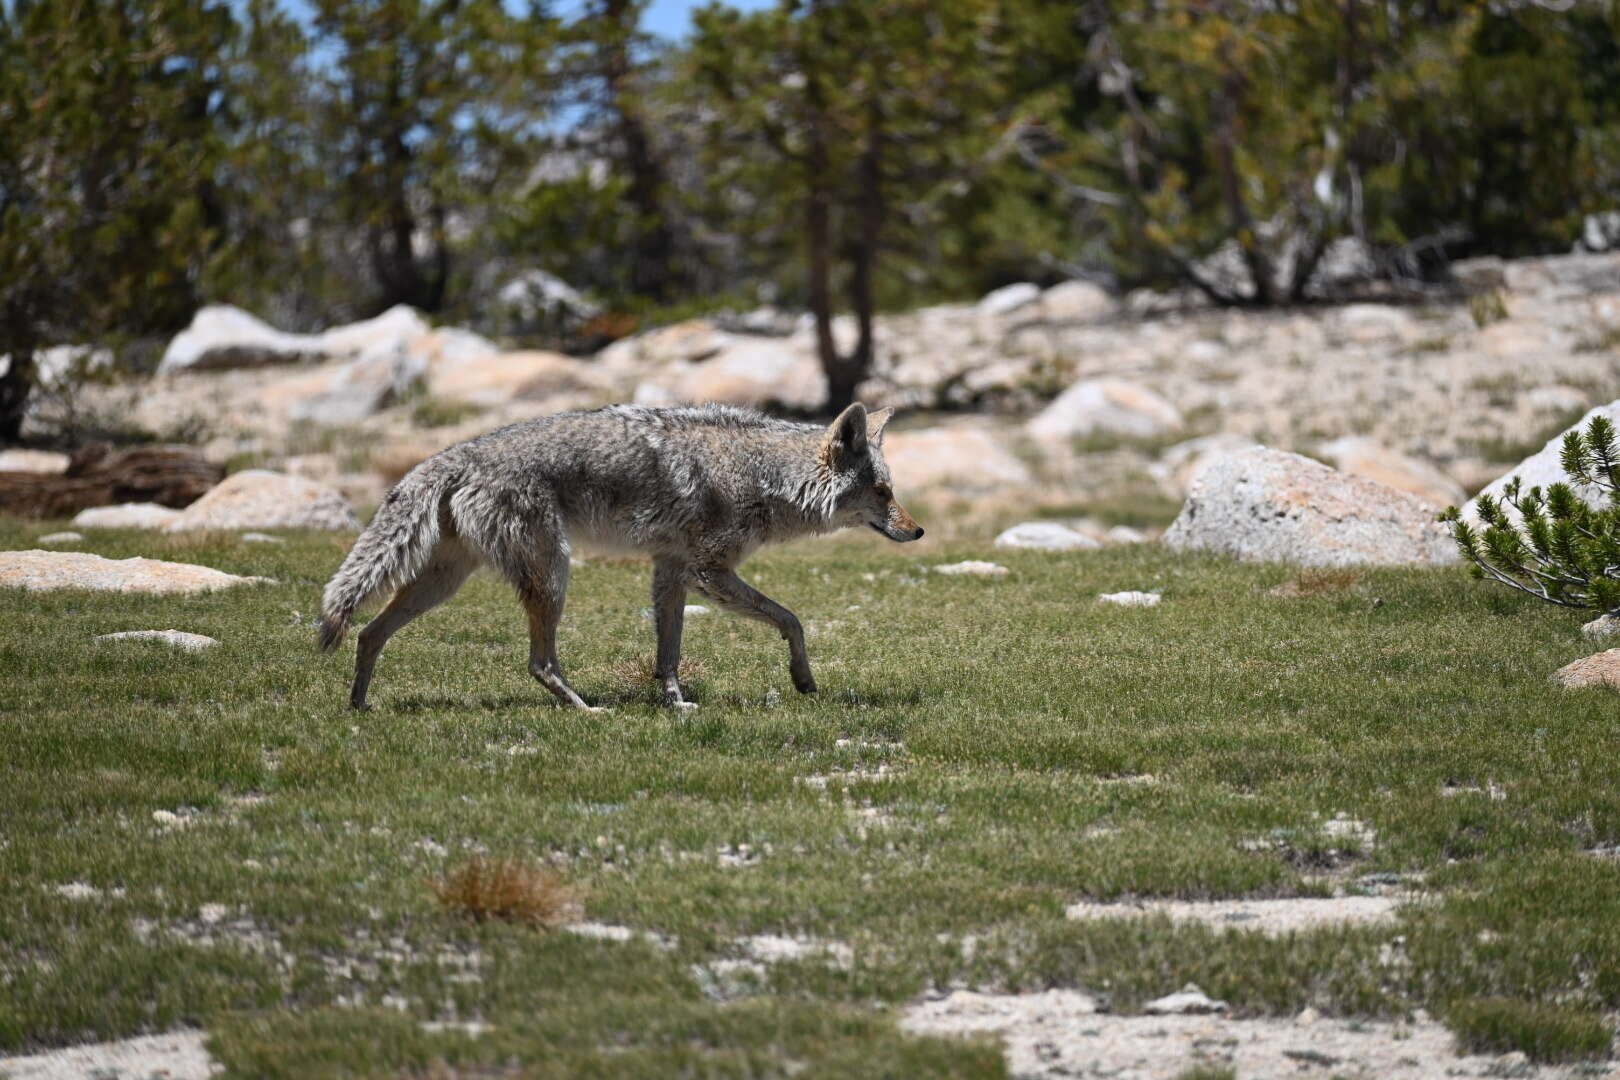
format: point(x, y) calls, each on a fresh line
point(636, 672)
point(1318, 583)
point(512, 889)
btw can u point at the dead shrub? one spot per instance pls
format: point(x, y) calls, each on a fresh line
point(512, 889)
point(636, 673)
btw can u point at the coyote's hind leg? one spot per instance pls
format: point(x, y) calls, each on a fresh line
point(669, 609)
point(445, 572)
point(542, 592)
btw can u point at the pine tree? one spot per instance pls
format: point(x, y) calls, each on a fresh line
point(1552, 544)
point(847, 119)
point(110, 204)
point(428, 115)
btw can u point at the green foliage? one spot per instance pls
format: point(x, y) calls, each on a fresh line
point(1487, 307)
point(110, 192)
point(821, 154)
point(1269, 131)
point(1543, 1033)
point(1552, 544)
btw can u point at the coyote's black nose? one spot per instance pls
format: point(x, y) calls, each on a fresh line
point(919, 533)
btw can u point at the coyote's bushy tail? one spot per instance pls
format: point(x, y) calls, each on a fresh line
point(391, 551)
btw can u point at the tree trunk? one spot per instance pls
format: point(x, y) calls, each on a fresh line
point(864, 246)
point(15, 386)
point(174, 476)
point(818, 240)
point(653, 273)
point(1250, 243)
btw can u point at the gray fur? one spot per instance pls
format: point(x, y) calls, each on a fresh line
point(697, 489)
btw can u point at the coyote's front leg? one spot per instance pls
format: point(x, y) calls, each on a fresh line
point(669, 611)
point(724, 587)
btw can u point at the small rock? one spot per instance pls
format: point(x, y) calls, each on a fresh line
point(1606, 625)
point(126, 516)
point(261, 538)
point(1130, 599)
point(212, 914)
point(1045, 536)
point(77, 890)
point(1189, 1000)
point(696, 609)
point(1601, 669)
point(61, 538)
point(1124, 534)
point(33, 461)
point(1075, 300)
point(1307, 1016)
point(975, 567)
point(178, 638)
point(1371, 324)
point(1009, 298)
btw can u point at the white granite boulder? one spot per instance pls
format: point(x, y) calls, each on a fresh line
point(260, 499)
point(1544, 468)
point(221, 337)
point(1366, 457)
point(44, 571)
point(956, 458)
point(1105, 407)
point(1268, 505)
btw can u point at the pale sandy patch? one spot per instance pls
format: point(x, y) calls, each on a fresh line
point(1059, 1033)
point(1272, 917)
point(177, 1055)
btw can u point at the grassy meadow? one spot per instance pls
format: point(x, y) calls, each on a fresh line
point(215, 840)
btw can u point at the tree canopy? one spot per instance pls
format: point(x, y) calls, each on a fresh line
point(837, 156)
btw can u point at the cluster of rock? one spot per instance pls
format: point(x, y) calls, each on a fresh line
point(1422, 398)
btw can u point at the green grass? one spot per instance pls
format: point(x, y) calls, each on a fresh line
point(1543, 1033)
point(1006, 711)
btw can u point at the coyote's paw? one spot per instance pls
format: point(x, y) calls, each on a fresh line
point(805, 684)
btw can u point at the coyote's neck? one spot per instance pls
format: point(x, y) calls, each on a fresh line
point(805, 497)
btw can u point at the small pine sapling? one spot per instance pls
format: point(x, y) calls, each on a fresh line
point(1561, 549)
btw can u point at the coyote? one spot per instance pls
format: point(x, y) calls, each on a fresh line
point(698, 489)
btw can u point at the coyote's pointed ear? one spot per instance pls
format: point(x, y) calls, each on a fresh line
point(846, 437)
point(876, 422)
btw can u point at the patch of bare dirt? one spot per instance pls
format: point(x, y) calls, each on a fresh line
point(1059, 1033)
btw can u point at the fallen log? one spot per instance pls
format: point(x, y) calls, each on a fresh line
point(98, 475)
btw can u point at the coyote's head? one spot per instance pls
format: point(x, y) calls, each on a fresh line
point(852, 452)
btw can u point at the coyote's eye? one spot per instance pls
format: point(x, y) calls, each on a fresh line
point(883, 491)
